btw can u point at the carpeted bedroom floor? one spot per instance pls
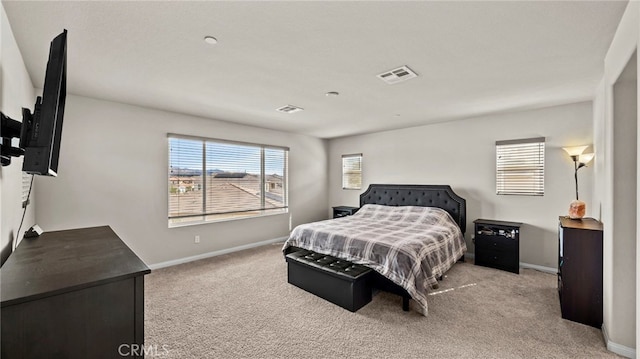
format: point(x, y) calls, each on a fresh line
point(240, 306)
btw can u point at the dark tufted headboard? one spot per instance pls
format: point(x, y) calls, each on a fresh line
point(441, 196)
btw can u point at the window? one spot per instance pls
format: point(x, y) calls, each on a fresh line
point(352, 171)
point(212, 180)
point(520, 167)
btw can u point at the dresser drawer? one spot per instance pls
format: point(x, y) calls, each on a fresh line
point(560, 287)
point(497, 243)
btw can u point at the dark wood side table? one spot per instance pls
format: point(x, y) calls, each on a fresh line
point(343, 211)
point(72, 294)
point(497, 244)
point(580, 270)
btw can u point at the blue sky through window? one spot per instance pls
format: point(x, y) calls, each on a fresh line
point(187, 154)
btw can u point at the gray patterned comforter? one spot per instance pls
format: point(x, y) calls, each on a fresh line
point(411, 246)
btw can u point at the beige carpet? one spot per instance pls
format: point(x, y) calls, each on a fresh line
point(240, 306)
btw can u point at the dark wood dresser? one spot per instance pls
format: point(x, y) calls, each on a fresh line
point(580, 270)
point(72, 294)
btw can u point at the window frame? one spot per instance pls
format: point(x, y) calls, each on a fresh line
point(535, 170)
point(345, 181)
point(230, 215)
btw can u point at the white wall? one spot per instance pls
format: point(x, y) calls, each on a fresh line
point(625, 97)
point(113, 171)
point(16, 91)
point(462, 154)
point(619, 320)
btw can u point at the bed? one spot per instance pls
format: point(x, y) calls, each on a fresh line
point(410, 235)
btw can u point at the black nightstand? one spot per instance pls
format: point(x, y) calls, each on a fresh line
point(497, 244)
point(343, 211)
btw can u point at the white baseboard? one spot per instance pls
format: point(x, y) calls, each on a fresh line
point(174, 262)
point(617, 348)
point(522, 265)
point(539, 268)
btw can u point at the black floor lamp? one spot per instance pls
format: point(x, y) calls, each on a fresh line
point(577, 208)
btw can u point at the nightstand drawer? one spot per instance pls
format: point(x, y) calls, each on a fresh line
point(498, 243)
point(496, 259)
point(343, 211)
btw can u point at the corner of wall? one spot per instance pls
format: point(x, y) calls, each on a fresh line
point(16, 91)
point(618, 323)
point(615, 347)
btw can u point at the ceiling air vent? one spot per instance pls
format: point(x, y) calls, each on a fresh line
point(290, 109)
point(400, 74)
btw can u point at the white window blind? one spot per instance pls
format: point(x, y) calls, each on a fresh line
point(520, 167)
point(352, 171)
point(212, 180)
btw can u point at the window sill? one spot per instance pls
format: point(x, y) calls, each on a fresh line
point(193, 222)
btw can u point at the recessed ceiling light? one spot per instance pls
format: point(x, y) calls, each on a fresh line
point(210, 40)
point(332, 93)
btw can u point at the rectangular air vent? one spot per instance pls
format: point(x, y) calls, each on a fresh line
point(290, 109)
point(400, 74)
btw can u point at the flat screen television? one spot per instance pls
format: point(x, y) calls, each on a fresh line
point(42, 131)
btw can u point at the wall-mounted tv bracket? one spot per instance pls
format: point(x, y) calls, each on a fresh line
point(10, 129)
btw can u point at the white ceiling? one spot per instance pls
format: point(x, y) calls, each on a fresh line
point(472, 57)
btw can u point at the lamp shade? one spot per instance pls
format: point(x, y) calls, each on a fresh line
point(575, 151)
point(586, 158)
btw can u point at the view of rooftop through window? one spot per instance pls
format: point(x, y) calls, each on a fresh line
point(213, 180)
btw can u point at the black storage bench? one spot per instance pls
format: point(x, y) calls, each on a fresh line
point(338, 281)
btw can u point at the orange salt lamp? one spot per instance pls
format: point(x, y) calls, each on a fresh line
point(577, 209)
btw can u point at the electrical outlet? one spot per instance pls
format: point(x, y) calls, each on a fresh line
point(197, 239)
